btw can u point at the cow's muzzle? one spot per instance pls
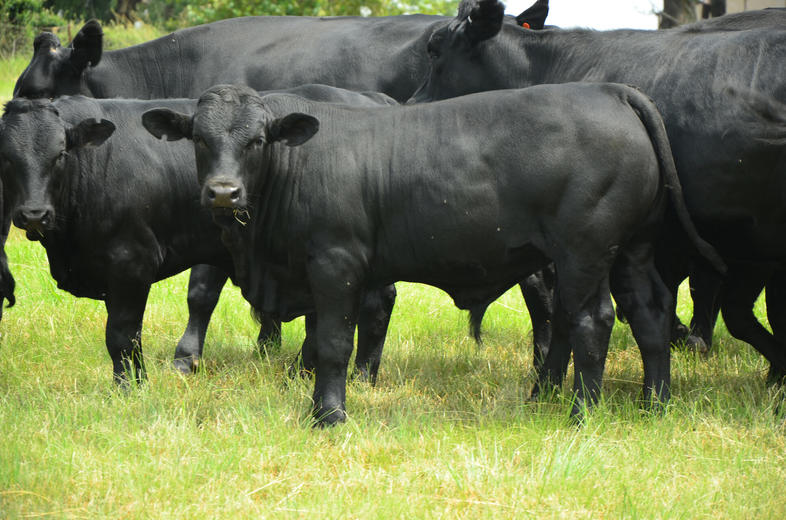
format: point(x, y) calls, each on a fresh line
point(224, 195)
point(35, 220)
point(227, 201)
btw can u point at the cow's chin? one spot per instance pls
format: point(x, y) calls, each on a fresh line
point(34, 233)
point(229, 217)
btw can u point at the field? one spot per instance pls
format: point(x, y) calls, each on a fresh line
point(446, 433)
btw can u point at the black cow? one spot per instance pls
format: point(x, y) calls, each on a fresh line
point(117, 216)
point(384, 54)
point(466, 195)
point(731, 178)
point(377, 54)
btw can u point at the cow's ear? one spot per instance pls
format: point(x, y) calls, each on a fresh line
point(164, 122)
point(293, 129)
point(483, 18)
point(87, 46)
point(535, 16)
point(89, 132)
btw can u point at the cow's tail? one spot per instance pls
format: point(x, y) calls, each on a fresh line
point(476, 314)
point(653, 122)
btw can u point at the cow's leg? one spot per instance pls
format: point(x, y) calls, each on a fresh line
point(125, 308)
point(776, 315)
point(269, 333)
point(551, 372)
point(336, 281)
point(7, 282)
point(335, 331)
point(204, 287)
point(705, 290)
point(743, 286)
point(305, 362)
point(589, 318)
point(538, 292)
point(674, 266)
point(373, 320)
point(649, 306)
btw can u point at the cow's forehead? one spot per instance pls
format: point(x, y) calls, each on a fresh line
point(33, 130)
point(222, 116)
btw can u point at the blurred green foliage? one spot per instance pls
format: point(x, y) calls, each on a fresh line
point(178, 13)
point(21, 20)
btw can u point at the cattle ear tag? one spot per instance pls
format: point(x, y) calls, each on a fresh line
point(525, 25)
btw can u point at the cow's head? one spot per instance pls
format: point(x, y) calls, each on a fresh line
point(56, 70)
point(461, 61)
point(233, 131)
point(35, 149)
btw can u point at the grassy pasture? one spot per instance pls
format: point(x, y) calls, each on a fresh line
point(447, 432)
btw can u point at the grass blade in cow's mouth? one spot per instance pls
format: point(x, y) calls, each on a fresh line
point(227, 217)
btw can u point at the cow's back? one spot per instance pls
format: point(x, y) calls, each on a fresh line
point(272, 53)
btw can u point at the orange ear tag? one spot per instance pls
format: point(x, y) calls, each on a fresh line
point(525, 25)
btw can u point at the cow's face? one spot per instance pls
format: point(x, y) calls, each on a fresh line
point(233, 132)
point(35, 145)
point(462, 55)
point(56, 70)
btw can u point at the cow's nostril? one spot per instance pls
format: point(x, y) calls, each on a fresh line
point(211, 194)
point(235, 195)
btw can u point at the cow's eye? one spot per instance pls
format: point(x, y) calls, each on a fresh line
point(432, 50)
point(256, 142)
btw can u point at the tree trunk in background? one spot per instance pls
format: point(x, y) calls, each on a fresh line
point(124, 9)
point(677, 12)
point(713, 8)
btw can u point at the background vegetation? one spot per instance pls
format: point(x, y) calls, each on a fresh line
point(21, 20)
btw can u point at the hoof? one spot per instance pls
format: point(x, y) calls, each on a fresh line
point(185, 366)
point(776, 376)
point(327, 418)
point(696, 344)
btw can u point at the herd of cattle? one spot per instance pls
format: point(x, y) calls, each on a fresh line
point(576, 163)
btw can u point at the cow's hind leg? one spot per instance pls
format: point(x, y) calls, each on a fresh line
point(373, 321)
point(305, 362)
point(705, 290)
point(204, 287)
point(589, 320)
point(649, 306)
point(743, 286)
point(776, 315)
point(125, 307)
point(269, 333)
point(538, 292)
point(551, 371)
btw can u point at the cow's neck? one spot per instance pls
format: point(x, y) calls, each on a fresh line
point(561, 56)
point(141, 72)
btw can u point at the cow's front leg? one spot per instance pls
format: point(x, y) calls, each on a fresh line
point(335, 331)
point(125, 307)
point(336, 287)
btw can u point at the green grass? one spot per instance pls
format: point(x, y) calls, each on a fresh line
point(447, 432)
